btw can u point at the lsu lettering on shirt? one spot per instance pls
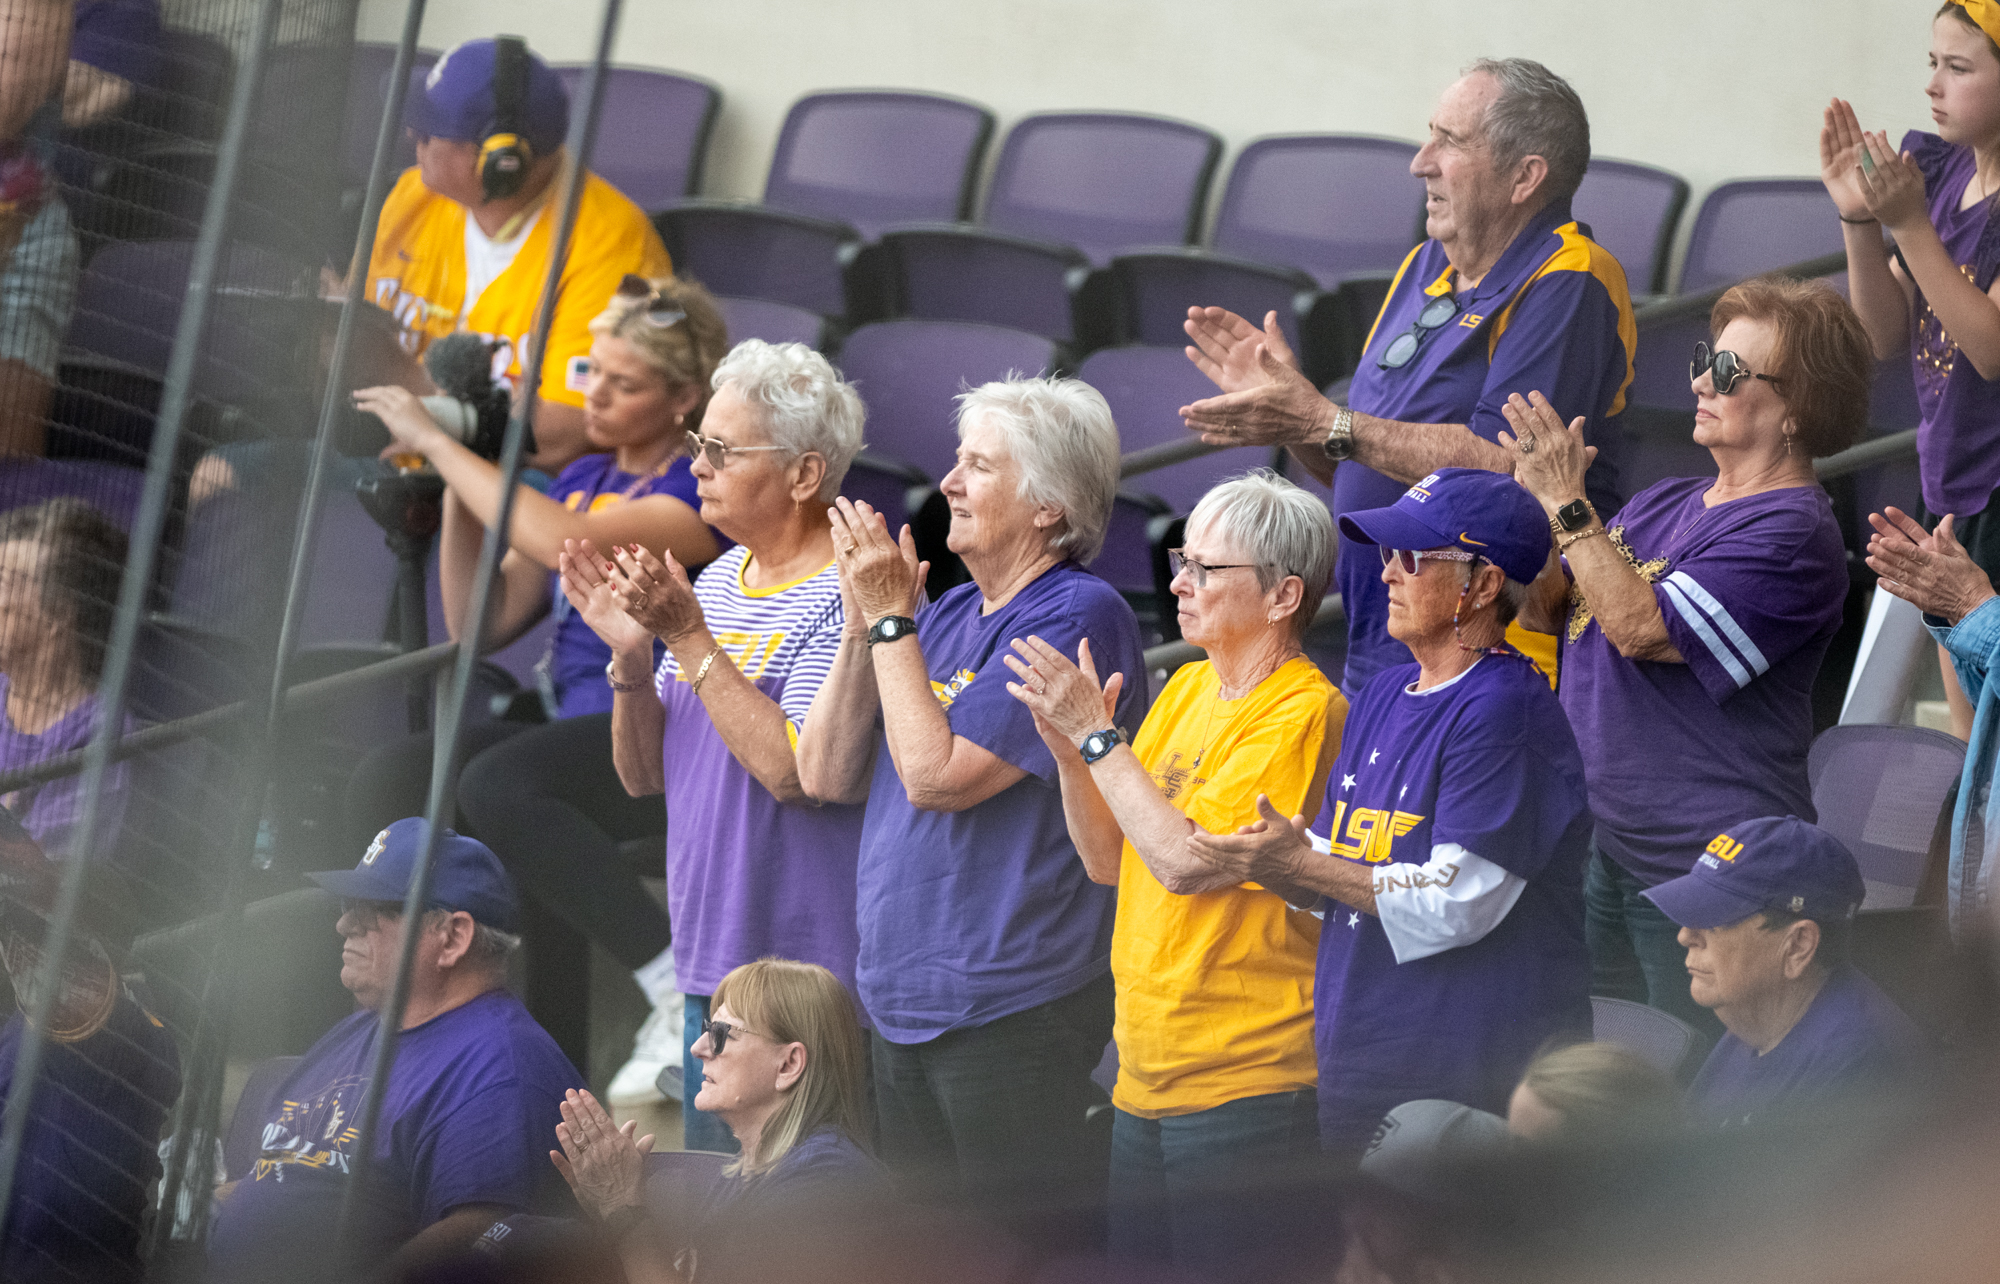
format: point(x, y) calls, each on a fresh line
point(418, 274)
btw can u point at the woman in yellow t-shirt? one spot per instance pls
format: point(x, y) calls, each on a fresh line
point(1216, 1082)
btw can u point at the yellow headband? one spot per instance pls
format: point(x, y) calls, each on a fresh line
point(1986, 13)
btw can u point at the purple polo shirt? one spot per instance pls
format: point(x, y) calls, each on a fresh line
point(1553, 315)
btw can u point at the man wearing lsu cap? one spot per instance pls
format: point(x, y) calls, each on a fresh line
point(1451, 874)
point(451, 255)
point(472, 1103)
point(1765, 915)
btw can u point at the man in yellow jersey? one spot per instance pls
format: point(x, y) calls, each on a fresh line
point(1507, 295)
point(457, 251)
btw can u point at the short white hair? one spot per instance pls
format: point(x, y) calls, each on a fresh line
point(1061, 435)
point(1279, 527)
point(804, 404)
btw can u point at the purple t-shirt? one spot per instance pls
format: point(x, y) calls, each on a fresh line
point(1552, 315)
point(578, 655)
point(1751, 592)
point(89, 1156)
point(469, 1118)
point(748, 875)
point(52, 811)
point(969, 916)
point(1487, 762)
point(1851, 1039)
point(1958, 439)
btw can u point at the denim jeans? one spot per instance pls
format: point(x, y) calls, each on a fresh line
point(1635, 950)
point(700, 1130)
point(993, 1116)
point(1204, 1190)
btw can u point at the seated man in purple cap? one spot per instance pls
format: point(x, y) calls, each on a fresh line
point(1456, 828)
point(470, 1107)
point(1766, 915)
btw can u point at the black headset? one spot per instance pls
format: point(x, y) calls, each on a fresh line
point(504, 154)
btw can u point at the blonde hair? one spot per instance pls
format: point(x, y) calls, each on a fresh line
point(1603, 1091)
point(686, 353)
point(794, 1002)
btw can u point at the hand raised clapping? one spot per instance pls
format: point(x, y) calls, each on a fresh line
point(602, 1162)
point(1067, 699)
point(1549, 459)
point(879, 576)
point(1930, 570)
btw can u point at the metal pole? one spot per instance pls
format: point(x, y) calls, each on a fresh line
point(211, 1032)
point(582, 140)
point(176, 392)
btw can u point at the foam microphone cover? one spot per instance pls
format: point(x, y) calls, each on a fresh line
point(461, 365)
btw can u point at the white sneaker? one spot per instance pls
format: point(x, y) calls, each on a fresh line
point(657, 1047)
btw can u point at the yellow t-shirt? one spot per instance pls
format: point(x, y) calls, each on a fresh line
point(417, 272)
point(1215, 991)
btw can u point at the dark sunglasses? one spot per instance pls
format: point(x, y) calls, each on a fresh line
point(1435, 314)
point(1412, 559)
point(720, 1032)
point(656, 312)
point(1728, 369)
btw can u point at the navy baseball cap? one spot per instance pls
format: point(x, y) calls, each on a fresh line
point(1775, 863)
point(1470, 508)
point(454, 99)
point(466, 875)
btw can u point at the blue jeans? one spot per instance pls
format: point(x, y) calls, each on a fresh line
point(1204, 1190)
point(700, 1130)
point(1635, 950)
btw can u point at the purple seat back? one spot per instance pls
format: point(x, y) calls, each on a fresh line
point(875, 158)
point(1331, 204)
point(908, 373)
point(1880, 790)
point(970, 274)
point(1146, 387)
point(1758, 225)
point(368, 71)
point(1661, 1038)
point(653, 132)
point(1632, 210)
point(1103, 181)
point(883, 485)
point(1159, 288)
point(1126, 560)
point(770, 321)
point(751, 251)
point(112, 488)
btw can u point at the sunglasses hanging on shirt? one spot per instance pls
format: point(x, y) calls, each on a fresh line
point(1435, 314)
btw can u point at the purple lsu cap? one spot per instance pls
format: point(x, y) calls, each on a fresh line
point(466, 875)
point(1470, 508)
point(1774, 863)
point(454, 99)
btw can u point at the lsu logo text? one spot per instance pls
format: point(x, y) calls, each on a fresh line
point(1421, 491)
point(1725, 848)
point(1471, 320)
point(1369, 832)
point(947, 692)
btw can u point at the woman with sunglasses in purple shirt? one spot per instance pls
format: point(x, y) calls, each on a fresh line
point(1693, 621)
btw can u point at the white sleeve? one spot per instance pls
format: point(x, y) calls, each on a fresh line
point(1453, 900)
point(1323, 846)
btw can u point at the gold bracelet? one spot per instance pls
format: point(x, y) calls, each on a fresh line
point(1562, 545)
point(701, 674)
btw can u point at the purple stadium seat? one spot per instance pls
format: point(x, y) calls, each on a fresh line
point(1331, 204)
point(1146, 387)
point(367, 93)
point(755, 252)
point(771, 322)
point(953, 272)
point(353, 575)
point(653, 132)
point(1632, 211)
point(1158, 287)
point(873, 158)
point(892, 488)
point(908, 373)
point(1661, 1038)
point(1758, 225)
point(1128, 561)
point(1880, 790)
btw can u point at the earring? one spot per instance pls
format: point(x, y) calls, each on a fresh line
point(1790, 437)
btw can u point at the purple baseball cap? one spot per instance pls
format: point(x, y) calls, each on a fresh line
point(466, 875)
point(1470, 508)
point(1774, 863)
point(454, 99)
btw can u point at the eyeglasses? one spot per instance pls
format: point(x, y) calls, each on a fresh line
point(720, 1032)
point(1728, 367)
point(368, 915)
point(1412, 559)
point(717, 452)
point(1178, 561)
point(1438, 311)
point(656, 312)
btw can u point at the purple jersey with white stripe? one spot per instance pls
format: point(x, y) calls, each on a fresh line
point(1751, 591)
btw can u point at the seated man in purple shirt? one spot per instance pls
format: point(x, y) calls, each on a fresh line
point(1508, 294)
point(1766, 914)
point(473, 1098)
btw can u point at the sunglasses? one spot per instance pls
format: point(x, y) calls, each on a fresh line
point(1728, 369)
point(656, 312)
point(717, 452)
point(720, 1032)
point(1412, 559)
point(1435, 314)
point(1178, 561)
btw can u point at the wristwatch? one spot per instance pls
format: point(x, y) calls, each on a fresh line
point(1339, 443)
point(1575, 515)
point(891, 627)
point(1098, 744)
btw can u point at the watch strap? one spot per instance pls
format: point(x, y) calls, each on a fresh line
point(1099, 744)
point(891, 627)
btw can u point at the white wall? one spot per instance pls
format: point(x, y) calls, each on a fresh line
point(1712, 89)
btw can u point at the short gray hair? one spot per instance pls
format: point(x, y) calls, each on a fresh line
point(1512, 597)
point(805, 405)
point(1279, 527)
point(1536, 114)
point(490, 946)
point(1060, 433)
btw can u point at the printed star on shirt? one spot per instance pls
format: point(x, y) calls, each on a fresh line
point(1354, 919)
point(1373, 754)
point(1346, 782)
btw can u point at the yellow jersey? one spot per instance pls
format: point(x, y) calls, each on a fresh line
point(417, 273)
point(1215, 991)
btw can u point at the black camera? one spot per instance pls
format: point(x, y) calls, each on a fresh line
point(470, 405)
